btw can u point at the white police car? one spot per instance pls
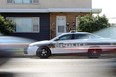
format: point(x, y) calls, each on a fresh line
point(71, 43)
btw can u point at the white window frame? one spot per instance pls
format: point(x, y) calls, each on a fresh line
point(57, 24)
point(13, 2)
point(77, 23)
point(12, 18)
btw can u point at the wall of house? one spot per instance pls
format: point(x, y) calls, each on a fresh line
point(50, 4)
point(66, 3)
point(44, 33)
point(70, 18)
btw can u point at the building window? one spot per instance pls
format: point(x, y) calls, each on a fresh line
point(9, 1)
point(26, 24)
point(18, 1)
point(22, 1)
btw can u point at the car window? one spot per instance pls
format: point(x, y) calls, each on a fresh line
point(92, 36)
point(66, 37)
point(85, 36)
point(81, 36)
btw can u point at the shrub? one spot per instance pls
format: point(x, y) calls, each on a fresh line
point(6, 26)
point(90, 23)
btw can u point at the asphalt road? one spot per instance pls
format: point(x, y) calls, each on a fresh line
point(54, 67)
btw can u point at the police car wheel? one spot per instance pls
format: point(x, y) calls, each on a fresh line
point(43, 52)
point(94, 53)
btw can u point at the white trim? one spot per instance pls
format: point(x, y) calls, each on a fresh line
point(48, 10)
point(77, 23)
point(23, 10)
point(74, 10)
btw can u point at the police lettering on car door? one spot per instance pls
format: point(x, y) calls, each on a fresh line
point(66, 45)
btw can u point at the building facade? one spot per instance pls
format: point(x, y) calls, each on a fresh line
point(45, 19)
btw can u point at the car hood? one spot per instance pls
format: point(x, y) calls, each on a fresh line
point(46, 42)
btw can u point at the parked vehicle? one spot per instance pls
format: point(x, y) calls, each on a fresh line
point(72, 43)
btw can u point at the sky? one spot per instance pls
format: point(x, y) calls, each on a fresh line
point(108, 8)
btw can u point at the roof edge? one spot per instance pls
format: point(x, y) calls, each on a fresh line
point(49, 10)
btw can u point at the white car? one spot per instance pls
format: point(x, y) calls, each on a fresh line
point(72, 43)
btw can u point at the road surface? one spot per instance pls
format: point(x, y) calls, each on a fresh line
point(35, 67)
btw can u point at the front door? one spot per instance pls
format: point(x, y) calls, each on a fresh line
point(60, 25)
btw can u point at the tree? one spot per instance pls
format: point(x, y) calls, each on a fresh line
point(91, 23)
point(6, 26)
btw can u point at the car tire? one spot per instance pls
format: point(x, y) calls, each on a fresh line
point(94, 52)
point(43, 52)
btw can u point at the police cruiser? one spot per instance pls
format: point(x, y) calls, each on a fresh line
point(72, 43)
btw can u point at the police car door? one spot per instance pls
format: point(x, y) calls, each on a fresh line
point(60, 44)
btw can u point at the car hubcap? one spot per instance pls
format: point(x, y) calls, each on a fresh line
point(95, 52)
point(44, 52)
